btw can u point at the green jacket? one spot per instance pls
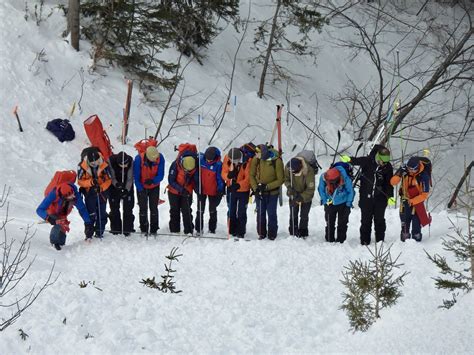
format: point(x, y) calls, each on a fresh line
point(269, 172)
point(304, 184)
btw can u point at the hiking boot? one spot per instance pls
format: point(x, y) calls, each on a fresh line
point(417, 237)
point(57, 246)
point(404, 236)
point(261, 237)
point(241, 236)
point(126, 234)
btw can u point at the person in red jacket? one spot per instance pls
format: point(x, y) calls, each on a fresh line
point(148, 171)
point(182, 179)
point(211, 187)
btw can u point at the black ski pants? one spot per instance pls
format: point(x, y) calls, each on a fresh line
point(148, 199)
point(115, 215)
point(341, 213)
point(214, 201)
point(237, 203)
point(181, 205)
point(372, 209)
point(96, 204)
point(299, 228)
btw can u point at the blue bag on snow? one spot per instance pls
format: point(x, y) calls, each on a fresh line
point(62, 129)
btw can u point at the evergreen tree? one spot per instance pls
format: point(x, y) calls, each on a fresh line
point(460, 244)
point(371, 286)
point(272, 37)
point(131, 34)
point(196, 22)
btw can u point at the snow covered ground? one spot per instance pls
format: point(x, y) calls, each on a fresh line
point(238, 297)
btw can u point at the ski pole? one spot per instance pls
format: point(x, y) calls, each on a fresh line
point(15, 112)
point(98, 210)
point(313, 132)
point(235, 109)
point(199, 202)
point(292, 207)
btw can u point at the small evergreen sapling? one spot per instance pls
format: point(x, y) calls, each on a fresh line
point(167, 281)
point(371, 286)
point(461, 245)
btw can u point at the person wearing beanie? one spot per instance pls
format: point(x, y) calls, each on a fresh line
point(182, 180)
point(415, 179)
point(94, 179)
point(300, 187)
point(121, 171)
point(266, 177)
point(375, 191)
point(148, 172)
point(209, 186)
point(236, 176)
point(337, 194)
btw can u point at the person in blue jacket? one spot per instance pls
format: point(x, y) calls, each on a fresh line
point(148, 171)
point(55, 208)
point(210, 185)
point(336, 192)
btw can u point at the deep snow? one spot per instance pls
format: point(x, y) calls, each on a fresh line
point(238, 297)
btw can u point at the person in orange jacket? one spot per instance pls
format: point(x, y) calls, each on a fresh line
point(414, 190)
point(236, 175)
point(94, 179)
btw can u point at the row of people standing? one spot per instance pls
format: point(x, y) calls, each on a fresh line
point(245, 171)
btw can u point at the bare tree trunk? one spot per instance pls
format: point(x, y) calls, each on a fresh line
point(269, 50)
point(434, 80)
point(73, 23)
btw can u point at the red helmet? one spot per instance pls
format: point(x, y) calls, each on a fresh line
point(332, 176)
point(65, 190)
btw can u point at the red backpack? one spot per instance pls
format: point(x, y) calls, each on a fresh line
point(143, 144)
point(97, 136)
point(59, 178)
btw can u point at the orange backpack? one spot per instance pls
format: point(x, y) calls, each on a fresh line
point(186, 147)
point(143, 144)
point(59, 178)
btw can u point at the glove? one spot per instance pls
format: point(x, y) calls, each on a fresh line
point(329, 202)
point(290, 191)
point(119, 186)
point(232, 174)
point(391, 201)
point(402, 171)
point(123, 193)
point(185, 193)
point(149, 182)
point(51, 219)
point(298, 198)
point(345, 158)
point(234, 187)
point(261, 188)
point(349, 205)
point(88, 230)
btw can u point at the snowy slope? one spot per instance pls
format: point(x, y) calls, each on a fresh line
point(240, 297)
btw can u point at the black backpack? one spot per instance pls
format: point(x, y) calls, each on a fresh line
point(62, 129)
point(428, 167)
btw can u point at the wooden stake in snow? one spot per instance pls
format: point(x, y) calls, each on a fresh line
point(126, 111)
point(15, 112)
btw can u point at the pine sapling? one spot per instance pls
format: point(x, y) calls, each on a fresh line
point(370, 287)
point(460, 243)
point(167, 280)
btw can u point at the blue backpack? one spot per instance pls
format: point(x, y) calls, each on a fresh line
point(62, 129)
